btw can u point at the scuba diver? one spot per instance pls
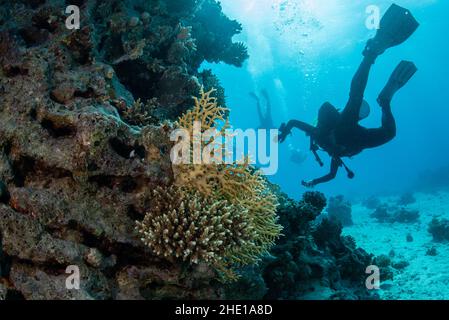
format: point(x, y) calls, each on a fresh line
point(339, 133)
point(297, 156)
point(266, 120)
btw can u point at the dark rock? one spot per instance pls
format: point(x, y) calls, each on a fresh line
point(400, 265)
point(372, 203)
point(313, 257)
point(439, 228)
point(403, 215)
point(340, 210)
point(251, 286)
point(4, 194)
point(392, 253)
point(382, 261)
point(406, 199)
point(409, 238)
point(392, 214)
point(432, 252)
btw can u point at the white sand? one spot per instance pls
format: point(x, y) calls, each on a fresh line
point(426, 277)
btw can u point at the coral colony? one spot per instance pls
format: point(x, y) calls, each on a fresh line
point(204, 137)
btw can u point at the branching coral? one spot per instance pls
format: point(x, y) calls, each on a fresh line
point(238, 182)
point(183, 224)
point(140, 114)
point(220, 214)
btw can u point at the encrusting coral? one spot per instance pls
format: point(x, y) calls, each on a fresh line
point(212, 197)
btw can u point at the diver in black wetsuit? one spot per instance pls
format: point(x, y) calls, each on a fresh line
point(266, 119)
point(339, 134)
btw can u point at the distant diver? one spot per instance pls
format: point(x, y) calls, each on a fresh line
point(339, 133)
point(265, 118)
point(297, 156)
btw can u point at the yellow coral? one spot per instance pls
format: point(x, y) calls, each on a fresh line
point(206, 111)
point(183, 224)
point(220, 214)
point(237, 183)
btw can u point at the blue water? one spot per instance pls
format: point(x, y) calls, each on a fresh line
point(305, 52)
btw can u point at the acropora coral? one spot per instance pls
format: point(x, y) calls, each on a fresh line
point(185, 225)
point(221, 214)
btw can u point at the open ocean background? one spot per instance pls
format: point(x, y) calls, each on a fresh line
point(305, 52)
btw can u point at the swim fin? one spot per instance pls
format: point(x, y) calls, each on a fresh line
point(396, 26)
point(399, 78)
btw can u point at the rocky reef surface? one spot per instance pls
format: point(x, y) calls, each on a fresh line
point(85, 117)
point(312, 261)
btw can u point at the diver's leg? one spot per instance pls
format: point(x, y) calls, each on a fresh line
point(373, 138)
point(351, 112)
point(398, 79)
point(401, 75)
point(268, 114)
point(259, 108)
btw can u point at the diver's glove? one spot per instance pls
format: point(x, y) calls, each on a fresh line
point(283, 133)
point(308, 184)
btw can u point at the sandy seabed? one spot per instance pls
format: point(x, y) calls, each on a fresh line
point(427, 277)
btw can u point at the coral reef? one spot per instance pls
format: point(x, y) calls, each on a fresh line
point(371, 202)
point(340, 210)
point(85, 118)
point(82, 144)
point(391, 214)
point(439, 229)
point(406, 199)
point(236, 183)
point(312, 261)
point(385, 266)
point(432, 252)
point(187, 226)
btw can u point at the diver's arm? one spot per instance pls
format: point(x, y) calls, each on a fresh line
point(307, 128)
point(335, 164)
point(286, 129)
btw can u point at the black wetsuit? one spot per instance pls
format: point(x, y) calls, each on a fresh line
point(347, 137)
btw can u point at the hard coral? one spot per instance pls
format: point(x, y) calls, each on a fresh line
point(80, 153)
point(237, 185)
point(313, 261)
point(183, 224)
point(340, 210)
point(391, 214)
point(439, 228)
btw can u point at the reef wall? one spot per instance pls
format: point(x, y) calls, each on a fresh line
point(84, 122)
